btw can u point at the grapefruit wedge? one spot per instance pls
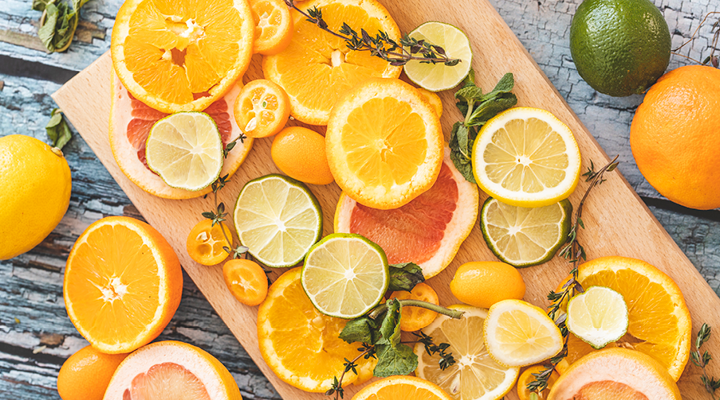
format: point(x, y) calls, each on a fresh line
point(172, 370)
point(427, 231)
point(130, 123)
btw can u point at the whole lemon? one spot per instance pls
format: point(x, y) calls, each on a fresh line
point(35, 189)
point(300, 154)
point(484, 283)
point(86, 374)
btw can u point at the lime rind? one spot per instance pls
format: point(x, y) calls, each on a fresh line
point(163, 150)
point(345, 275)
point(277, 228)
point(563, 228)
point(599, 316)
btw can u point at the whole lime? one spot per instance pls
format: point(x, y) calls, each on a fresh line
point(34, 193)
point(620, 47)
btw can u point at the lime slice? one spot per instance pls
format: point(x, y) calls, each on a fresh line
point(599, 316)
point(438, 76)
point(186, 150)
point(523, 237)
point(278, 219)
point(345, 275)
point(526, 157)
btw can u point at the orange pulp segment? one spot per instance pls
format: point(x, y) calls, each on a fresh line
point(273, 26)
point(416, 318)
point(401, 388)
point(261, 109)
point(246, 280)
point(205, 243)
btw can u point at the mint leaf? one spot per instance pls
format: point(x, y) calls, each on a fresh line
point(461, 140)
point(60, 22)
point(57, 129)
point(390, 327)
point(46, 33)
point(362, 330)
point(488, 109)
point(39, 5)
point(399, 360)
point(469, 93)
point(469, 79)
point(405, 276)
point(505, 85)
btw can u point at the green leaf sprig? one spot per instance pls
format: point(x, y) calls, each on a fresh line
point(57, 129)
point(702, 360)
point(478, 109)
point(59, 22)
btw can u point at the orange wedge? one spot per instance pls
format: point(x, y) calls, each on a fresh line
point(317, 68)
point(181, 55)
point(273, 26)
point(400, 388)
point(261, 109)
point(122, 285)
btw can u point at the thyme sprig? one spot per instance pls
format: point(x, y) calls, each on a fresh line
point(381, 45)
point(714, 42)
point(446, 358)
point(573, 252)
point(702, 360)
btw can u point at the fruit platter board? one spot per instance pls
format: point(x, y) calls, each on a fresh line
point(621, 223)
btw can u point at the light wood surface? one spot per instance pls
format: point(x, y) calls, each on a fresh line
point(617, 221)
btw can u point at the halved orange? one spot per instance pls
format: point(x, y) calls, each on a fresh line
point(317, 68)
point(261, 109)
point(273, 26)
point(181, 55)
point(401, 388)
point(122, 285)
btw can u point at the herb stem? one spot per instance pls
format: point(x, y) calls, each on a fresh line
point(418, 303)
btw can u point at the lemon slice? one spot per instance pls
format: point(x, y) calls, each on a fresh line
point(518, 333)
point(599, 316)
point(474, 375)
point(278, 219)
point(345, 275)
point(186, 150)
point(438, 76)
point(523, 237)
point(526, 157)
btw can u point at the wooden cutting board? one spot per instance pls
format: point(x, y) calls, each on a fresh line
point(617, 221)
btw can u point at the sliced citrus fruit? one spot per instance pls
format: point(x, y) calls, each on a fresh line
point(598, 316)
point(527, 376)
point(523, 237)
point(206, 243)
point(401, 387)
point(181, 57)
point(384, 144)
point(438, 76)
point(474, 375)
point(292, 331)
point(659, 321)
point(415, 318)
point(317, 68)
point(615, 374)
point(518, 333)
point(262, 108)
point(273, 26)
point(246, 280)
point(526, 157)
point(122, 284)
point(130, 123)
point(433, 99)
point(186, 150)
point(345, 275)
point(278, 219)
point(172, 370)
point(427, 231)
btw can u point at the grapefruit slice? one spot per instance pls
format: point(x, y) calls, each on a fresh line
point(427, 231)
point(172, 370)
point(130, 124)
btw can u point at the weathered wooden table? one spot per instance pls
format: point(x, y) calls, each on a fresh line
point(35, 334)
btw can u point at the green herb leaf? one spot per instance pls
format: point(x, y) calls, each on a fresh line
point(39, 5)
point(60, 22)
point(504, 85)
point(469, 79)
point(57, 129)
point(469, 93)
point(46, 33)
point(405, 276)
point(490, 108)
point(461, 141)
point(399, 360)
point(363, 330)
point(390, 327)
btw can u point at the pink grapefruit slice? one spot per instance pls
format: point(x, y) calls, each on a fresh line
point(427, 231)
point(130, 123)
point(171, 371)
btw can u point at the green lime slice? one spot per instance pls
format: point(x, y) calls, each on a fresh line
point(278, 219)
point(599, 316)
point(523, 237)
point(186, 150)
point(438, 76)
point(345, 275)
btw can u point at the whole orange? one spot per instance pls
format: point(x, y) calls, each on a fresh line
point(484, 283)
point(675, 136)
point(86, 374)
point(300, 153)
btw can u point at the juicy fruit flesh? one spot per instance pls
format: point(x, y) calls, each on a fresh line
point(608, 390)
point(385, 142)
point(475, 372)
point(259, 108)
point(599, 316)
point(166, 381)
point(355, 271)
point(526, 156)
point(209, 244)
point(456, 46)
point(403, 391)
point(522, 336)
point(267, 18)
point(413, 232)
point(179, 54)
point(115, 284)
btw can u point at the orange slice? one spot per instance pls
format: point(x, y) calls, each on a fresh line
point(384, 144)
point(317, 68)
point(261, 109)
point(172, 370)
point(401, 387)
point(205, 243)
point(122, 285)
point(416, 318)
point(181, 56)
point(273, 26)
